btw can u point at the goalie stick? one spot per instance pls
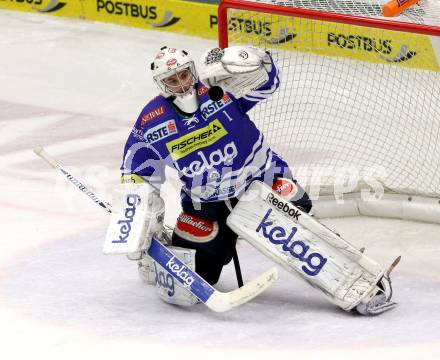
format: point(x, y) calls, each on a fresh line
point(215, 300)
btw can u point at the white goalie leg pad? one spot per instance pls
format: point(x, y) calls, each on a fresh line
point(138, 212)
point(146, 270)
point(305, 247)
point(145, 263)
point(170, 290)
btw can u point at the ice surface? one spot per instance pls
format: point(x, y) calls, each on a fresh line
point(76, 88)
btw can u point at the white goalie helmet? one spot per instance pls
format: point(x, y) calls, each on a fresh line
point(175, 74)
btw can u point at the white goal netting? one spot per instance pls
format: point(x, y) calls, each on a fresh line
point(358, 104)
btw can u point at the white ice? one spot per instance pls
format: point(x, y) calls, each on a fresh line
point(76, 88)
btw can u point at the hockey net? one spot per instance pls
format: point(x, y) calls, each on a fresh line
point(359, 104)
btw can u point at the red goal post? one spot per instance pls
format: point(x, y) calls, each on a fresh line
point(225, 5)
point(359, 92)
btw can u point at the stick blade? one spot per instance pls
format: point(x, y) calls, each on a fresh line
point(220, 302)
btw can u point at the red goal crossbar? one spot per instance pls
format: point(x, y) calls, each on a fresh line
point(316, 15)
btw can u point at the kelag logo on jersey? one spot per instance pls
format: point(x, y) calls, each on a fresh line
point(211, 107)
point(195, 140)
point(160, 132)
point(208, 162)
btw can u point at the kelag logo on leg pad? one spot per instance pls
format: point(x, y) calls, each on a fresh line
point(298, 249)
point(164, 280)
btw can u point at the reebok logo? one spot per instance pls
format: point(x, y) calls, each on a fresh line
point(284, 207)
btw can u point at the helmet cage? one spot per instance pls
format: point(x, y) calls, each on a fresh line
point(160, 79)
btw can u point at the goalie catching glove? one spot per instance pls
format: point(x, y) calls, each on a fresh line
point(236, 69)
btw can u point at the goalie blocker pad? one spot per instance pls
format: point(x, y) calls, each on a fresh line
point(305, 247)
point(137, 214)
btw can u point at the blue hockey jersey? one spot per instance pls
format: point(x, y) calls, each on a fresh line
point(218, 151)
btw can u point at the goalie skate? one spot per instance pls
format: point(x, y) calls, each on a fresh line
point(381, 301)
